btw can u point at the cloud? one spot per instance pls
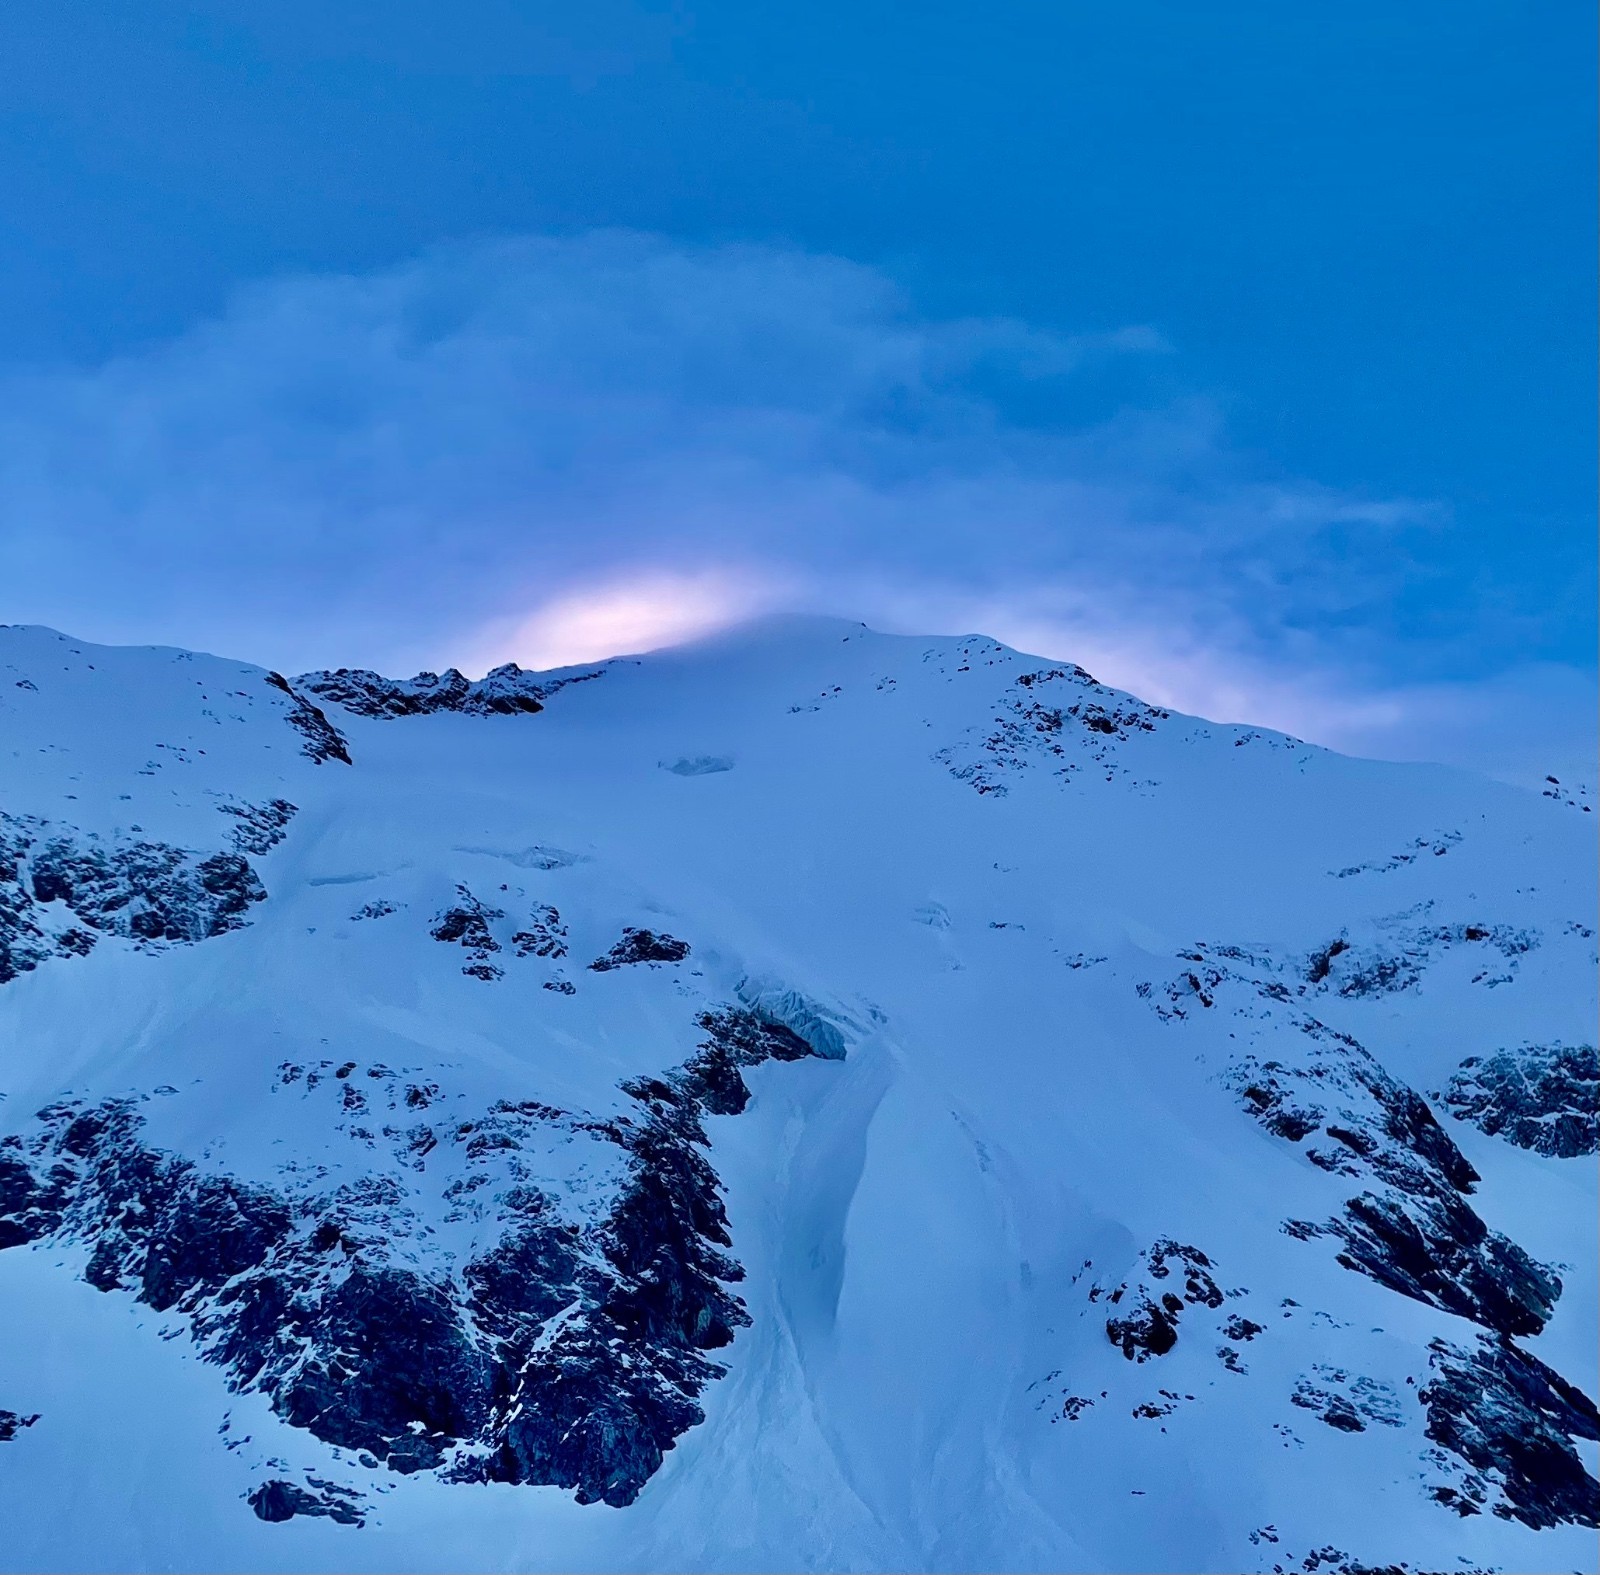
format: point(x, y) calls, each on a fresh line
point(547, 447)
point(636, 612)
point(1519, 724)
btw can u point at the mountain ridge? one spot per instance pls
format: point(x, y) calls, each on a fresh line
point(841, 1004)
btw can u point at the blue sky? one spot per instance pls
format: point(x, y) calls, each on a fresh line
point(1241, 351)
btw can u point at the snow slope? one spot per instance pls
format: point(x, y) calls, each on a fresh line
point(1071, 1081)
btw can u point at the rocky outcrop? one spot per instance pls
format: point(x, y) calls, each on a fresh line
point(1436, 846)
point(1512, 1420)
point(1175, 1277)
point(322, 741)
point(570, 1352)
point(469, 923)
point(12, 1423)
point(259, 828)
point(713, 1077)
point(278, 1500)
point(1409, 1227)
point(60, 891)
point(1436, 1250)
point(641, 946)
point(1331, 1560)
point(506, 691)
point(1572, 796)
point(466, 924)
point(1345, 1401)
point(146, 891)
point(23, 941)
point(543, 935)
point(1398, 960)
point(1540, 1097)
point(1056, 717)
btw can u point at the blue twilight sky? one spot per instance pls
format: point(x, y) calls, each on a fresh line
point(1241, 351)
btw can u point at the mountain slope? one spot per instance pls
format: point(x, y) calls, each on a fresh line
point(809, 1099)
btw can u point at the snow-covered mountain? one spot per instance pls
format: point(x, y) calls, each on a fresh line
point(810, 1099)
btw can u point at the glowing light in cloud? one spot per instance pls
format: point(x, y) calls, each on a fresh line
point(650, 607)
point(557, 449)
point(641, 611)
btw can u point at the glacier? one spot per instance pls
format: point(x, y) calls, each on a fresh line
point(806, 1099)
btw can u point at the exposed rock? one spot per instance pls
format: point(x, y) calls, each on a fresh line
point(1320, 964)
point(1148, 1325)
point(1347, 1402)
point(1329, 1560)
point(150, 893)
point(12, 1423)
point(641, 946)
point(322, 740)
point(570, 1352)
point(1411, 1228)
point(1398, 961)
point(278, 1500)
point(1394, 957)
point(261, 827)
point(698, 765)
point(1573, 796)
point(23, 941)
point(147, 891)
point(1541, 1097)
point(467, 925)
point(1056, 717)
point(735, 1040)
point(1153, 1410)
point(507, 691)
point(31, 1198)
point(1437, 1250)
point(1512, 1420)
point(1145, 1330)
point(1436, 846)
point(544, 935)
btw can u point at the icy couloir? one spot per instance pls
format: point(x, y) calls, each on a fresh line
point(812, 1099)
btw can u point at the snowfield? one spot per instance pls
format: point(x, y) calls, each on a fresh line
point(810, 1099)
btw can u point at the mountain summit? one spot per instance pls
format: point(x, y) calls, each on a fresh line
point(810, 1099)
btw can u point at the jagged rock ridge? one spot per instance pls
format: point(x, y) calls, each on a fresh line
point(506, 691)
